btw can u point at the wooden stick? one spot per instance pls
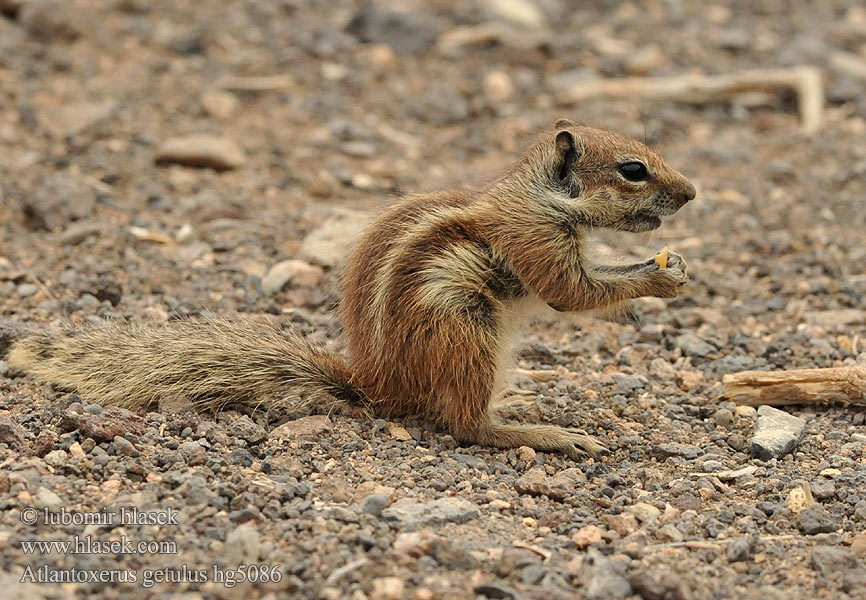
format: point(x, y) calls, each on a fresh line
point(846, 385)
point(262, 83)
point(805, 81)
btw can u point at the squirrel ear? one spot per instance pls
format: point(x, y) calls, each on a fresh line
point(564, 142)
point(567, 154)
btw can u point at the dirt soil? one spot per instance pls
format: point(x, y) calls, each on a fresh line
point(359, 104)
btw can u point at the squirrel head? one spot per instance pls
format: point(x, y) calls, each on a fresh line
point(610, 180)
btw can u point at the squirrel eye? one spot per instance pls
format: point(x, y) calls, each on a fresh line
point(634, 171)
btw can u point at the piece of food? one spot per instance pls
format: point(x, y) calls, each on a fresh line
point(662, 258)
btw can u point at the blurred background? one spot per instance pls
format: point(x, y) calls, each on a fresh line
point(170, 154)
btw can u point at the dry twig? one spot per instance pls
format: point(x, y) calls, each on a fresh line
point(845, 385)
point(805, 81)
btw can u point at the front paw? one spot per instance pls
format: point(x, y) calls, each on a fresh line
point(667, 282)
point(675, 261)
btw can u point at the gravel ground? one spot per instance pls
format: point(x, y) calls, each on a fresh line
point(350, 105)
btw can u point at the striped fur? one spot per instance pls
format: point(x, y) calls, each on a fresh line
point(434, 296)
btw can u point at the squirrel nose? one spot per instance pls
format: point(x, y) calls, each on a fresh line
point(688, 192)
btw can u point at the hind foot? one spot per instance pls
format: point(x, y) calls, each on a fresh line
point(545, 438)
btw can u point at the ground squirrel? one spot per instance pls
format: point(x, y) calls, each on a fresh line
point(433, 298)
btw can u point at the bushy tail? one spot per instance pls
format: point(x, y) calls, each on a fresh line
point(211, 363)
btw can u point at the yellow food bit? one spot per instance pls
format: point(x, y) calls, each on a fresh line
point(662, 258)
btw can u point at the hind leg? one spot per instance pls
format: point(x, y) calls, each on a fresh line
point(468, 417)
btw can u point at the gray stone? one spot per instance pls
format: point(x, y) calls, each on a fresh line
point(738, 549)
point(833, 559)
point(724, 418)
point(76, 233)
point(405, 32)
point(814, 520)
point(737, 442)
point(45, 498)
point(692, 345)
point(644, 512)
point(823, 489)
point(731, 364)
point(56, 200)
point(56, 458)
point(247, 429)
point(535, 482)
point(192, 452)
point(625, 384)
point(776, 433)
point(657, 584)
point(686, 451)
point(437, 512)
point(26, 289)
point(712, 466)
point(242, 545)
point(602, 579)
point(374, 504)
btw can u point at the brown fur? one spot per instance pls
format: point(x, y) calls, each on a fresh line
point(432, 299)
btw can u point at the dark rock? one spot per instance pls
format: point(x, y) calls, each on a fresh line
point(471, 461)
point(776, 433)
point(107, 289)
point(815, 519)
point(496, 590)
point(823, 489)
point(686, 451)
point(731, 364)
point(737, 442)
point(405, 32)
point(626, 384)
point(692, 345)
point(242, 457)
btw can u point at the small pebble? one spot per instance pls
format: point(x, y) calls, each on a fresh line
point(724, 418)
